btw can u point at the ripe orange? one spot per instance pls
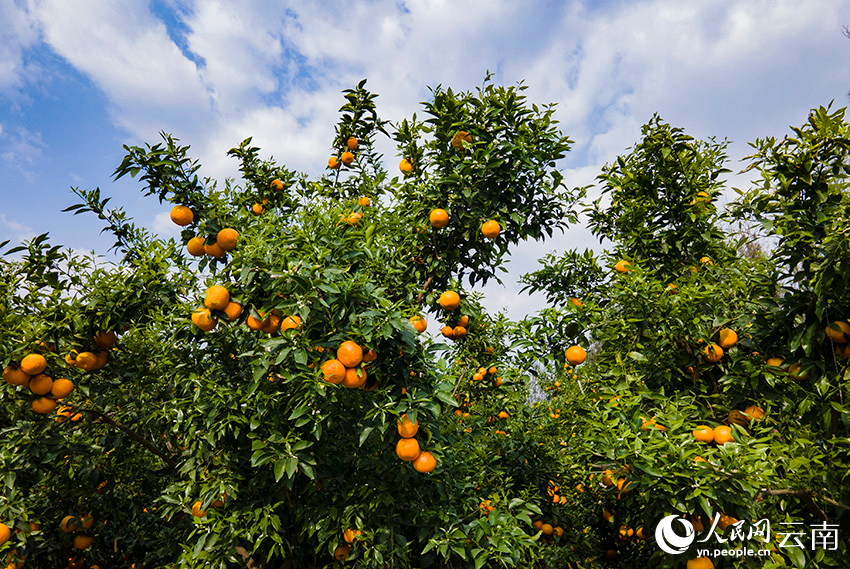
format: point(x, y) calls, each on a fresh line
point(33, 364)
point(723, 435)
point(547, 529)
point(463, 321)
point(290, 323)
point(201, 318)
point(105, 339)
point(576, 301)
point(492, 370)
point(576, 355)
point(341, 552)
point(333, 163)
point(460, 138)
point(795, 372)
point(82, 541)
point(364, 201)
point(728, 338)
point(214, 250)
point(622, 266)
point(334, 371)
point(197, 511)
point(491, 229)
point(503, 415)
point(5, 533)
point(843, 350)
point(419, 323)
point(405, 166)
point(70, 524)
point(369, 356)
point(217, 298)
point(195, 246)
point(256, 324)
point(276, 185)
point(182, 215)
point(353, 218)
point(43, 405)
point(354, 377)
point(15, 376)
point(86, 361)
point(448, 332)
point(449, 300)
point(349, 354)
point(347, 158)
point(726, 521)
point(439, 218)
point(41, 384)
point(227, 238)
point(458, 332)
point(712, 353)
point(757, 413)
point(406, 429)
point(737, 418)
point(704, 433)
point(407, 449)
point(257, 208)
point(700, 563)
point(838, 332)
point(351, 143)
point(102, 359)
point(272, 323)
point(706, 261)
point(425, 462)
point(233, 311)
point(349, 535)
point(775, 362)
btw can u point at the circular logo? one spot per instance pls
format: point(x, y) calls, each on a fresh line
point(669, 540)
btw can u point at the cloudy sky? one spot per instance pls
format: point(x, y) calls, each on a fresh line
point(80, 79)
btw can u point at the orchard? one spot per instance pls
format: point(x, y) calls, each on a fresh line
point(307, 377)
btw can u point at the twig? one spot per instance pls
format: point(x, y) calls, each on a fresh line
point(133, 435)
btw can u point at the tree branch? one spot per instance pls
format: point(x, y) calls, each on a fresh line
point(133, 435)
point(808, 497)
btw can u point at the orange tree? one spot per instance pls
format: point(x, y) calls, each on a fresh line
point(250, 394)
point(718, 382)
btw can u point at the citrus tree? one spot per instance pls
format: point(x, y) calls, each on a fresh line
point(260, 393)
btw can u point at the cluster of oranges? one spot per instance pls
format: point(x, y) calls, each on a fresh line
point(439, 219)
point(450, 301)
point(343, 549)
point(552, 490)
point(547, 529)
point(347, 368)
point(46, 390)
point(483, 372)
point(407, 447)
point(226, 239)
point(347, 156)
point(74, 524)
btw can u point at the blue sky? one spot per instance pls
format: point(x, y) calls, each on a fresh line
point(80, 79)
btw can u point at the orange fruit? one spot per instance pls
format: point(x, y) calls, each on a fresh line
point(439, 218)
point(233, 311)
point(195, 246)
point(503, 415)
point(448, 332)
point(15, 376)
point(182, 215)
point(334, 371)
point(405, 166)
point(622, 266)
point(364, 201)
point(460, 138)
point(425, 462)
point(354, 377)
point(449, 300)
point(86, 361)
point(201, 318)
point(795, 372)
point(369, 356)
point(276, 185)
point(706, 261)
point(349, 354)
point(726, 521)
point(712, 353)
point(349, 535)
point(407, 449)
point(458, 332)
point(70, 524)
point(353, 218)
point(576, 301)
point(463, 321)
point(347, 158)
point(105, 339)
point(704, 433)
point(197, 511)
point(723, 435)
point(41, 384)
point(43, 405)
point(492, 370)
point(843, 350)
point(757, 413)
point(341, 552)
point(547, 529)
point(217, 298)
point(737, 418)
point(406, 429)
point(255, 324)
point(257, 208)
point(227, 238)
point(351, 143)
point(775, 362)
point(290, 323)
point(700, 563)
point(838, 332)
point(419, 323)
point(214, 250)
point(576, 355)
point(102, 359)
point(491, 229)
point(333, 163)
point(728, 338)
point(82, 541)
point(33, 364)
point(5, 533)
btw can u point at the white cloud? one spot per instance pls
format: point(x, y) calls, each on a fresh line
point(20, 149)
point(17, 34)
point(14, 231)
